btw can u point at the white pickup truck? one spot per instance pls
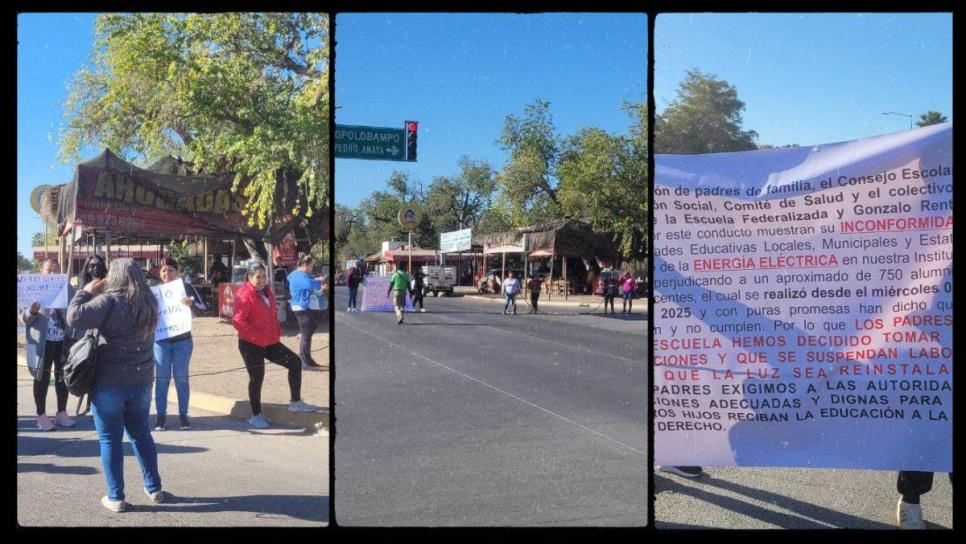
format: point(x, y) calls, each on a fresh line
point(439, 279)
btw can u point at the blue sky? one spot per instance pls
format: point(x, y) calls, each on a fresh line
point(459, 75)
point(813, 78)
point(51, 48)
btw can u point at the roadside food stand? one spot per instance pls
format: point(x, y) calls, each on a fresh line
point(556, 241)
point(113, 201)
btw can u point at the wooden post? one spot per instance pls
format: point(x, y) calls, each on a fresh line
point(107, 251)
point(70, 260)
point(206, 258)
point(553, 257)
point(410, 252)
point(566, 290)
point(525, 263)
point(503, 270)
point(62, 254)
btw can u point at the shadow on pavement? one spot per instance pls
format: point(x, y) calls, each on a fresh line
point(54, 469)
point(305, 507)
point(51, 444)
point(808, 512)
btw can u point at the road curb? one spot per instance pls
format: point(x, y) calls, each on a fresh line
point(240, 408)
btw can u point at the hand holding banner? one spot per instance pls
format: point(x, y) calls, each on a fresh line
point(174, 318)
point(50, 290)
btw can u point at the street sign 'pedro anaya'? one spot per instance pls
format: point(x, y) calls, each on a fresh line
point(374, 143)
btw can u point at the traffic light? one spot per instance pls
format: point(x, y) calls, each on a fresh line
point(411, 127)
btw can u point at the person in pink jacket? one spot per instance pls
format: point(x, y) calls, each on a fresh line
point(628, 284)
point(256, 320)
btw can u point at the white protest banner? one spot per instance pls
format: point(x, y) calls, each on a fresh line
point(174, 318)
point(374, 297)
point(50, 290)
point(803, 307)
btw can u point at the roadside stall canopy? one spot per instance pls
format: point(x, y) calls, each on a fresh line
point(135, 205)
point(571, 237)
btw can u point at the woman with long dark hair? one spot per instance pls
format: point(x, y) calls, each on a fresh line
point(256, 320)
point(93, 269)
point(172, 355)
point(124, 310)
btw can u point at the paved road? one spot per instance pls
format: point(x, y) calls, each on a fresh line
point(464, 417)
point(768, 498)
point(221, 473)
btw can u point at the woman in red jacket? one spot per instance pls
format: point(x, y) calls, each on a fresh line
point(256, 320)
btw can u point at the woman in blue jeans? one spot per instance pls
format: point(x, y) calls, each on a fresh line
point(125, 311)
point(173, 354)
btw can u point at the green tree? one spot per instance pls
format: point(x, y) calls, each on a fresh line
point(528, 180)
point(241, 93)
point(603, 180)
point(931, 118)
point(24, 264)
point(705, 118)
point(37, 240)
point(458, 202)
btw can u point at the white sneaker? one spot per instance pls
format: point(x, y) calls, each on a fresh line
point(301, 406)
point(113, 506)
point(64, 420)
point(909, 516)
point(258, 421)
point(157, 497)
point(348, 309)
point(44, 423)
point(422, 310)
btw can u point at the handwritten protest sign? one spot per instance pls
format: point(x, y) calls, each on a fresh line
point(803, 307)
point(50, 290)
point(374, 297)
point(174, 318)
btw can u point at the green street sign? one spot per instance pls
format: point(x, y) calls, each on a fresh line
point(374, 143)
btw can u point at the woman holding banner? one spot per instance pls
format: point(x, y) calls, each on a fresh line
point(50, 348)
point(173, 354)
point(124, 310)
point(256, 320)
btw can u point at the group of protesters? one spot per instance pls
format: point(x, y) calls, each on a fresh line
point(118, 302)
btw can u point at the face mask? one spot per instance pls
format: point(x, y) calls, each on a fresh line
point(97, 270)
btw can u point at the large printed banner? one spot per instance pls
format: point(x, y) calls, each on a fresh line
point(174, 318)
point(803, 305)
point(50, 290)
point(374, 297)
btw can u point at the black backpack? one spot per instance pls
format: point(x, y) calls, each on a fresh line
point(80, 370)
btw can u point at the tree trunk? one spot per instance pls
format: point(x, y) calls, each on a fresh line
point(256, 249)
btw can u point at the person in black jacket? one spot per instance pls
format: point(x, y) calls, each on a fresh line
point(124, 310)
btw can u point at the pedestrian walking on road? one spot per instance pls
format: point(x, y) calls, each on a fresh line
point(534, 284)
point(352, 280)
point(911, 485)
point(259, 331)
point(172, 356)
point(49, 340)
point(628, 284)
point(511, 287)
point(124, 310)
point(418, 285)
point(398, 287)
point(306, 306)
point(610, 292)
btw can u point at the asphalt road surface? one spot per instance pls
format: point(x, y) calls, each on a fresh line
point(770, 498)
point(221, 473)
point(464, 417)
